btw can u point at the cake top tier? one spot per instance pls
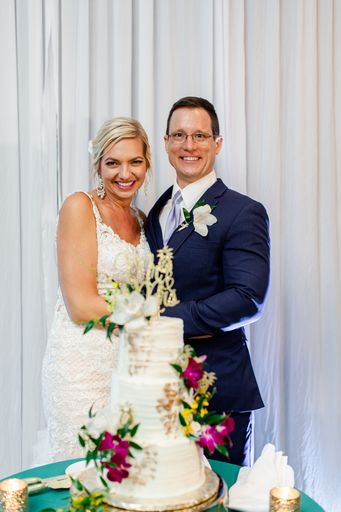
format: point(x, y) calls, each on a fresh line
point(147, 353)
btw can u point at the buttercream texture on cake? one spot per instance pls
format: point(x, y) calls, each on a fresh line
point(170, 464)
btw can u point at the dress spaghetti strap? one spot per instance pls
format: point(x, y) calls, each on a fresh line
point(94, 208)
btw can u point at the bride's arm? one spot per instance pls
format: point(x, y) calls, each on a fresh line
point(77, 260)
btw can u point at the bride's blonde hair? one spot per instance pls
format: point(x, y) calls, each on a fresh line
point(115, 130)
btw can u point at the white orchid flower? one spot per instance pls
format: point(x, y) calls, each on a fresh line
point(127, 307)
point(134, 303)
point(202, 218)
point(104, 421)
point(196, 427)
point(119, 316)
point(151, 306)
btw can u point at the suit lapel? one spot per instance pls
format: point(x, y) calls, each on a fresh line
point(211, 197)
point(154, 229)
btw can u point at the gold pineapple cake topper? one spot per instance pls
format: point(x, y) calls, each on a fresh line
point(159, 278)
point(149, 287)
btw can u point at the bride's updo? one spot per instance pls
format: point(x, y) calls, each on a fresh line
point(115, 130)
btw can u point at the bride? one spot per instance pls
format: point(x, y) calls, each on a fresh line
point(100, 236)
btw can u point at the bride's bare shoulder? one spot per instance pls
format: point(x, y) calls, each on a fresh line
point(76, 206)
point(78, 201)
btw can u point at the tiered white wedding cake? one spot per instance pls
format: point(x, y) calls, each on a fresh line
point(148, 447)
point(169, 464)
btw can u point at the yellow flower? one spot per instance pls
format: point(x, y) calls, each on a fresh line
point(187, 430)
point(78, 500)
point(186, 413)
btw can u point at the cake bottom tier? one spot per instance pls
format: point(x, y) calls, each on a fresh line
point(212, 492)
point(162, 470)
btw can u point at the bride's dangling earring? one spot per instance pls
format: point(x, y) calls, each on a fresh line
point(100, 187)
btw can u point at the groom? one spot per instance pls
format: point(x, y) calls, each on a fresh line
point(221, 262)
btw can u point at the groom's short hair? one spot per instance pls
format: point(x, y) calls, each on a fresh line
point(196, 102)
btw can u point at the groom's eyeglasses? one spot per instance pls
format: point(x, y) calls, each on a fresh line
point(181, 137)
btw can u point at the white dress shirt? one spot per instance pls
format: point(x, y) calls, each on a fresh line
point(190, 195)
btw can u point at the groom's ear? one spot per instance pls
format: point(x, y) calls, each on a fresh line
point(166, 141)
point(219, 143)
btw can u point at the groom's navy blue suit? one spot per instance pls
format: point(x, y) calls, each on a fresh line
point(221, 281)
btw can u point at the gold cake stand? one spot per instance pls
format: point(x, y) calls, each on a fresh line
point(212, 492)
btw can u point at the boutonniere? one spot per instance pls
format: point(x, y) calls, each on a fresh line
point(201, 217)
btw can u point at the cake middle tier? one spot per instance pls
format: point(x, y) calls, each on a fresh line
point(155, 403)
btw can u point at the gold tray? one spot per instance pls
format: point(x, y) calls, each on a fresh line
point(194, 501)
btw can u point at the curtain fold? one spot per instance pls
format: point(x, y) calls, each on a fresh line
point(273, 70)
point(11, 303)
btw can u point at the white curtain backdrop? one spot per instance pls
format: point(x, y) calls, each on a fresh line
point(273, 70)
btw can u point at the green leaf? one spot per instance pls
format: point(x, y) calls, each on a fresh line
point(81, 441)
point(110, 464)
point(182, 420)
point(123, 431)
point(214, 419)
point(86, 502)
point(222, 449)
point(201, 202)
point(193, 437)
point(89, 326)
point(176, 367)
point(104, 482)
point(103, 319)
point(79, 486)
point(201, 401)
point(187, 215)
point(134, 430)
point(185, 404)
point(135, 445)
point(88, 457)
point(110, 329)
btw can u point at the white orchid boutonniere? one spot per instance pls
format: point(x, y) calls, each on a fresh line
point(201, 217)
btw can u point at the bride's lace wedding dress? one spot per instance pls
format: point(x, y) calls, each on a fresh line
point(77, 369)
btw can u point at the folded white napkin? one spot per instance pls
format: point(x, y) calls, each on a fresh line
point(251, 491)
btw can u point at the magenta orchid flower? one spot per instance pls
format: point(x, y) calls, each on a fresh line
point(217, 435)
point(120, 449)
point(210, 438)
point(107, 442)
point(193, 372)
point(226, 427)
point(121, 452)
point(117, 474)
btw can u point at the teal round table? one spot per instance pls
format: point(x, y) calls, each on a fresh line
point(55, 499)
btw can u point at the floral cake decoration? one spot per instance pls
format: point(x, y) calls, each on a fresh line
point(208, 429)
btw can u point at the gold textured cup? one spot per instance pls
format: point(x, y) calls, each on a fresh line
point(13, 495)
point(285, 499)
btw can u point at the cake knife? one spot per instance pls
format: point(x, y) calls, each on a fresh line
point(36, 484)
